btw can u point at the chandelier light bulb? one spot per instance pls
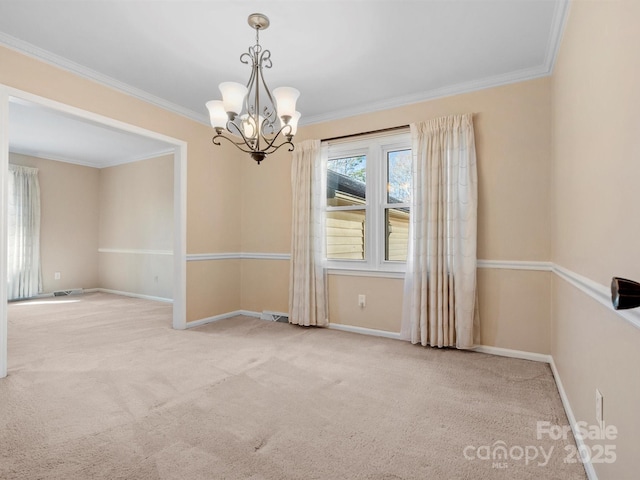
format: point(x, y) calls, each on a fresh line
point(233, 95)
point(217, 113)
point(249, 127)
point(286, 98)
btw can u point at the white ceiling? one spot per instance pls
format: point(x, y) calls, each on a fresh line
point(41, 132)
point(346, 57)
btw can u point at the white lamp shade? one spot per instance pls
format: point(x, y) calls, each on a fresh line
point(286, 98)
point(294, 123)
point(217, 114)
point(232, 96)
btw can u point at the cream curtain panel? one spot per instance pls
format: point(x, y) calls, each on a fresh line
point(23, 256)
point(307, 276)
point(440, 284)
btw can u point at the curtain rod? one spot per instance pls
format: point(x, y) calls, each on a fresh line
point(382, 130)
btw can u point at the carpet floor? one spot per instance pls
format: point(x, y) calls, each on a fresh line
point(101, 387)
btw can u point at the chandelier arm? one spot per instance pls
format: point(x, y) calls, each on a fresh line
point(256, 107)
point(249, 54)
point(239, 145)
point(240, 131)
point(266, 57)
point(270, 143)
point(221, 135)
point(255, 84)
point(291, 147)
point(267, 128)
point(265, 60)
point(252, 78)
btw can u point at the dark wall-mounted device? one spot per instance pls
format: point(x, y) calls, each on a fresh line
point(624, 293)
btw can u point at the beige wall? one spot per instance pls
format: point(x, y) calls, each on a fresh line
point(583, 118)
point(213, 173)
point(136, 219)
point(596, 153)
point(265, 285)
point(383, 305)
point(126, 207)
point(69, 222)
point(512, 130)
point(213, 288)
point(512, 125)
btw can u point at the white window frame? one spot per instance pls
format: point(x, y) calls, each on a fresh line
point(375, 148)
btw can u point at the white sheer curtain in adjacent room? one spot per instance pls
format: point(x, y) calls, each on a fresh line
point(307, 282)
point(24, 279)
point(440, 299)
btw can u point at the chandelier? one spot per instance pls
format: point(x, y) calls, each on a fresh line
point(259, 125)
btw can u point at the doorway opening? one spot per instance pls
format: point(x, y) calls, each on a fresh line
point(35, 128)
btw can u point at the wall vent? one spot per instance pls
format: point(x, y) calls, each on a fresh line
point(73, 291)
point(275, 316)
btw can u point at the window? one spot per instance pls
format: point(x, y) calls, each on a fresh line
point(368, 205)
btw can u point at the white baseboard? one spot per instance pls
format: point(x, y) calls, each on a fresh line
point(51, 294)
point(506, 352)
point(588, 466)
point(364, 331)
point(222, 316)
point(130, 294)
point(40, 295)
point(538, 357)
point(114, 292)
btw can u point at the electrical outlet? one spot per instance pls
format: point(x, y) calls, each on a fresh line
point(56, 276)
point(362, 300)
point(599, 409)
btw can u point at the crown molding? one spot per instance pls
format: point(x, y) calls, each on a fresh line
point(139, 158)
point(465, 87)
point(38, 53)
point(558, 23)
point(87, 163)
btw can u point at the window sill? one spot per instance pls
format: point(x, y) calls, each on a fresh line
point(364, 273)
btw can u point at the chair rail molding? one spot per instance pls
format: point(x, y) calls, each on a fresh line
point(597, 291)
point(199, 257)
point(134, 251)
point(516, 265)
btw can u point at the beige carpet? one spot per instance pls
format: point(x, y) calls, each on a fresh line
point(101, 387)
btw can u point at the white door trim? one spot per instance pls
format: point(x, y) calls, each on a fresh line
point(4, 178)
point(180, 202)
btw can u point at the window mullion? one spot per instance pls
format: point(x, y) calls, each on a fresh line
point(376, 201)
point(375, 205)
